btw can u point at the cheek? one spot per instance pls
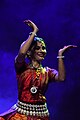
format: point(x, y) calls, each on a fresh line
point(45, 52)
point(35, 54)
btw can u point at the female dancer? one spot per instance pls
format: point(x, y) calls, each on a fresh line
point(33, 78)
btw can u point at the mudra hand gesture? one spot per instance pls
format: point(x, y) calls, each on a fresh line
point(61, 51)
point(31, 24)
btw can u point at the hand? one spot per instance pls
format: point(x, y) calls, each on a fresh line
point(31, 24)
point(61, 51)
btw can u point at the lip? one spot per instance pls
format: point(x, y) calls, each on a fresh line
point(40, 54)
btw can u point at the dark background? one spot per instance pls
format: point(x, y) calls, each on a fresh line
point(59, 25)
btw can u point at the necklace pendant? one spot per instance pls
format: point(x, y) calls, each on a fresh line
point(33, 90)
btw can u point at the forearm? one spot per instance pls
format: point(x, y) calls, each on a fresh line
point(26, 44)
point(61, 69)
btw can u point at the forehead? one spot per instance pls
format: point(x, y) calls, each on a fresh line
point(41, 43)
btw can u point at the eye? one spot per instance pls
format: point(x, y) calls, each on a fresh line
point(43, 47)
point(37, 47)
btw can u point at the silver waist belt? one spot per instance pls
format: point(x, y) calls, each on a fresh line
point(31, 109)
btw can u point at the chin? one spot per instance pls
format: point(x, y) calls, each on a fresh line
point(40, 59)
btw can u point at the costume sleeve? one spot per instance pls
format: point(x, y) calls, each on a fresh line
point(51, 74)
point(20, 63)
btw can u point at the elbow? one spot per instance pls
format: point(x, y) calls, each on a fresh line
point(61, 78)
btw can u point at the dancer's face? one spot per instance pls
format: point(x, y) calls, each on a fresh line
point(40, 51)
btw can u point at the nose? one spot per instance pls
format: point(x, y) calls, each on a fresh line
point(43, 50)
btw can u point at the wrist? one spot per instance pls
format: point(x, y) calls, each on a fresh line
point(33, 33)
point(60, 56)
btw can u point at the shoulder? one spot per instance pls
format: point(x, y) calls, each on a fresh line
point(51, 70)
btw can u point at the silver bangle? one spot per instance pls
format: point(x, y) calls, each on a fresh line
point(33, 33)
point(60, 56)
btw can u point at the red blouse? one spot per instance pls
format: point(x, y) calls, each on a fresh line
point(29, 77)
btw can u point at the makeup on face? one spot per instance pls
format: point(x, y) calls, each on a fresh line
point(39, 47)
point(40, 51)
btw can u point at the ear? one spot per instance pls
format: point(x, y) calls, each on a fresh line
point(28, 54)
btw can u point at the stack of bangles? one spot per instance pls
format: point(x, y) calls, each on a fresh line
point(60, 56)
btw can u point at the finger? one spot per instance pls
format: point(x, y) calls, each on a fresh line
point(71, 46)
point(26, 21)
point(74, 45)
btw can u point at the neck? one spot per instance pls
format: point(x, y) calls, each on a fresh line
point(36, 64)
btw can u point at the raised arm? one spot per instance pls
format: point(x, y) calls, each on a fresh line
point(61, 68)
point(20, 58)
point(26, 44)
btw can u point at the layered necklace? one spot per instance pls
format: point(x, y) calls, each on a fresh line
point(34, 89)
